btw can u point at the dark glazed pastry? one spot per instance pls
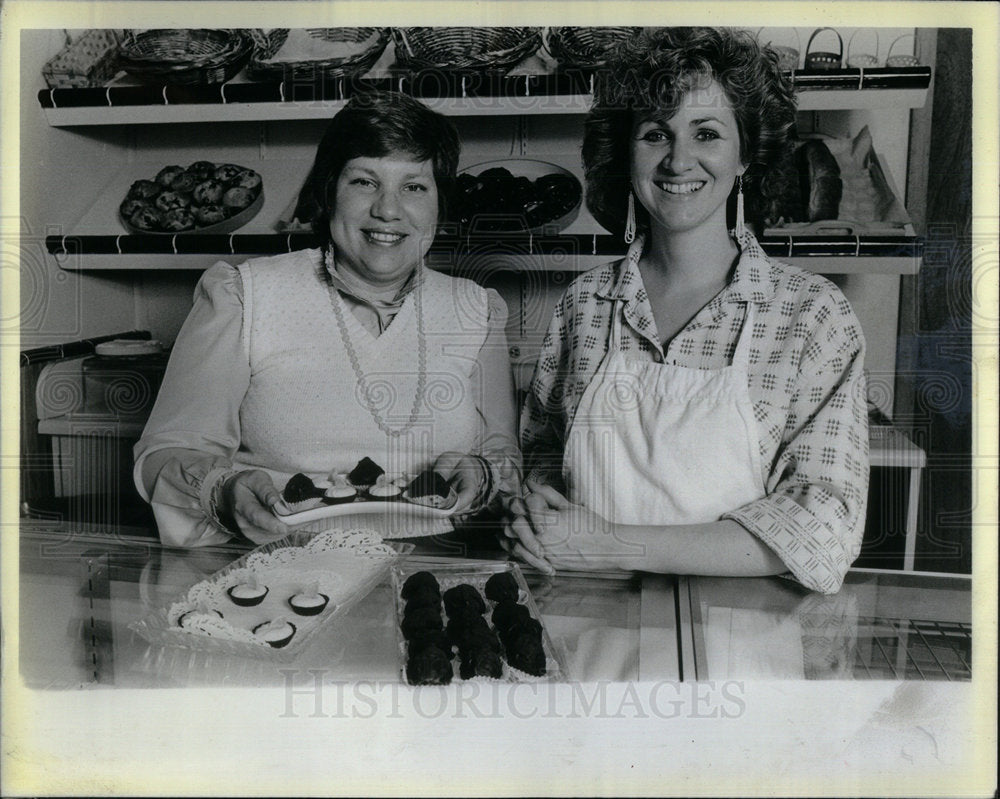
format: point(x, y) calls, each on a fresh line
point(208, 192)
point(463, 595)
point(226, 172)
point(177, 219)
point(480, 662)
point(507, 614)
point(429, 666)
point(247, 179)
point(365, 473)
point(209, 214)
point(237, 199)
point(502, 586)
point(167, 174)
point(299, 488)
point(428, 488)
point(144, 190)
point(147, 218)
point(418, 581)
point(421, 620)
point(185, 182)
point(201, 170)
point(130, 206)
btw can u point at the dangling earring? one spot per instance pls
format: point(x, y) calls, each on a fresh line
point(630, 219)
point(740, 222)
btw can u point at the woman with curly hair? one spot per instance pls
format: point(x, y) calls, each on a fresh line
point(697, 407)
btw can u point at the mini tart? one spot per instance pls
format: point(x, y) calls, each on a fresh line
point(339, 492)
point(197, 612)
point(308, 604)
point(384, 491)
point(275, 633)
point(246, 595)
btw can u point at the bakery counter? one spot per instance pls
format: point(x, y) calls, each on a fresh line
point(80, 591)
point(881, 625)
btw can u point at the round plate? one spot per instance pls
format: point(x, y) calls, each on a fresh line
point(400, 509)
point(234, 222)
point(533, 169)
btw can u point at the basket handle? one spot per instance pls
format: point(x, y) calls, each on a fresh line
point(861, 30)
point(820, 30)
point(897, 40)
point(798, 39)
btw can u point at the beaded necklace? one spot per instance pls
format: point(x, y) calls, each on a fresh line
point(352, 354)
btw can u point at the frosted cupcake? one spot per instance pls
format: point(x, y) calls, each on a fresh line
point(247, 594)
point(309, 601)
point(339, 491)
point(384, 490)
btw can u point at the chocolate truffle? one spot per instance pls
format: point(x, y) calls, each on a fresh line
point(508, 613)
point(502, 586)
point(420, 620)
point(429, 666)
point(463, 595)
point(480, 662)
point(418, 581)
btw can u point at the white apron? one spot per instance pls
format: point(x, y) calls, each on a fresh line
point(654, 443)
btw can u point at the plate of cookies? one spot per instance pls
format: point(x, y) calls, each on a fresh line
point(204, 197)
point(366, 489)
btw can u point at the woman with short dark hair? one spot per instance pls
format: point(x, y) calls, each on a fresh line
point(310, 361)
point(697, 407)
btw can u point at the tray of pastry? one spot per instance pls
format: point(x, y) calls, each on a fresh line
point(366, 489)
point(272, 601)
point(834, 186)
point(472, 620)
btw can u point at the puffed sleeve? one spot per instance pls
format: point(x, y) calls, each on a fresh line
point(813, 513)
point(543, 419)
point(495, 400)
point(193, 430)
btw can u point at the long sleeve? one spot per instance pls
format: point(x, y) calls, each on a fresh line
point(543, 418)
point(495, 401)
point(813, 514)
point(194, 430)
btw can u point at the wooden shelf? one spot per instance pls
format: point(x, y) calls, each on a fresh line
point(121, 103)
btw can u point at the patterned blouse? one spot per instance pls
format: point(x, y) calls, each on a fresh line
point(807, 385)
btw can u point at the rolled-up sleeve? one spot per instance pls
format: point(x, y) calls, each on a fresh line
point(813, 513)
point(193, 431)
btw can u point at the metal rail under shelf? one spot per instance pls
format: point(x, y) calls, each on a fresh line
point(566, 252)
point(470, 94)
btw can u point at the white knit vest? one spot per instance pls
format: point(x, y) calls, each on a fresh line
point(303, 411)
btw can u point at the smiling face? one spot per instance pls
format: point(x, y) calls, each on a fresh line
point(683, 168)
point(384, 217)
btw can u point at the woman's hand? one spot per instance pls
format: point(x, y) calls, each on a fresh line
point(573, 537)
point(466, 474)
point(249, 498)
point(519, 540)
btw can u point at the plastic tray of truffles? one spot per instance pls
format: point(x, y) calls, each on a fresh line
point(474, 620)
point(272, 601)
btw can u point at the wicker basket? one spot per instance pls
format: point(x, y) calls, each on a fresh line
point(268, 63)
point(585, 48)
point(824, 60)
point(197, 56)
point(466, 49)
point(897, 61)
point(788, 56)
point(91, 60)
point(859, 60)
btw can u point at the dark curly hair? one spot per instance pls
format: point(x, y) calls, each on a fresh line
point(372, 125)
point(650, 74)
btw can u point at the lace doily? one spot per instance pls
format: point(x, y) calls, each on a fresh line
point(337, 563)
